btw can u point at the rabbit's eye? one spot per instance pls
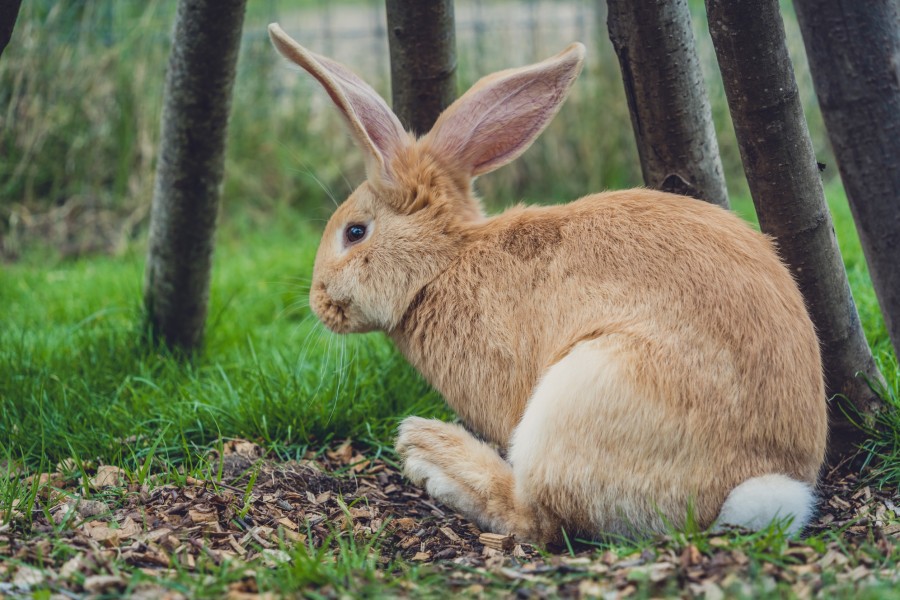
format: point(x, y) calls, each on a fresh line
point(354, 233)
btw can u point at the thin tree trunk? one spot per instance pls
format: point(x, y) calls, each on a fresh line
point(422, 41)
point(9, 12)
point(190, 166)
point(781, 169)
point(667, 98)
point(854, 56)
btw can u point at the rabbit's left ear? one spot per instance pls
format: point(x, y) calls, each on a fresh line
point(502, 114)
point(374, 126)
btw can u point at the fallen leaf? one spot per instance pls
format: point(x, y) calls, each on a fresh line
point(64, 512)
point(691, 556)
point(44, 479)
point(71, 566)
point(27, 576)
point(155, 535)
point(708, 589)
point(237, 547)
point(360, 513)
point(129, 529)
point(589, 588)
point(409, 542)
point(294, 536)
point(832, 557)
point(359, 463)
point(342, 454)
point(242, 448)
point(450, 534)
point(839, 503)
point(203, 516)
point(67, 465)
point(99, 583)
point(103, 533)
point(107, 476)
point(91, 508)
point(274, 557)
point(445, 554)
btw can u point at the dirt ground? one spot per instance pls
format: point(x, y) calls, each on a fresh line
point(316, 500)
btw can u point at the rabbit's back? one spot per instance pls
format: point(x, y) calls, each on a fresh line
point(707, 323)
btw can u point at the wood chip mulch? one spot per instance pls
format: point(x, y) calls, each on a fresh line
point(258, 509)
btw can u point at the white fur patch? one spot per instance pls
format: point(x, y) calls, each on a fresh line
point(758, 501)
point(566, 400)
point(578, 399)
point(438, 484)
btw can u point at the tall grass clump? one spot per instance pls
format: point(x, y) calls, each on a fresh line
point(80, 103)
point(79, 108)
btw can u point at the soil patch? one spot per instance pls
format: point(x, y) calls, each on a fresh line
point(259, 509)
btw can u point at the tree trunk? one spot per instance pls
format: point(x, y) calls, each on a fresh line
point(422, 40)
point(666, 95)
point(781, 169)
point(9, 12)
point(189, 172)
point(854, 57)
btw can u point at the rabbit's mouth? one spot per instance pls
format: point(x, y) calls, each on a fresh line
point(332, 313)
point(334, 316)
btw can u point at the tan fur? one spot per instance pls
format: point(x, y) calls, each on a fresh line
point(635, 352)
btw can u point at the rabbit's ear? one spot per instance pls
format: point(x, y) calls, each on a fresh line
point(374, 126)
point(498, 119)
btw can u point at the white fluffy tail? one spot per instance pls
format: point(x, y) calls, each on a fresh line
point(758, 501)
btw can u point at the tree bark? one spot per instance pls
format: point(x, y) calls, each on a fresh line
point(854, 57)
point(781, 169)
point(670, 111)
point(422, 40)
point(190, 166)
point(9, 12)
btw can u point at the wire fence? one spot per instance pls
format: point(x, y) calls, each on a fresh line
point(488, 32)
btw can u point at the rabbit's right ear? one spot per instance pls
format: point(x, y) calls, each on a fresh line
point(374, 126)
point(498, 119)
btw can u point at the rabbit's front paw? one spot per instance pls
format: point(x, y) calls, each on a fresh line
point(432, 453)
point(416, 443)
point(459, 471)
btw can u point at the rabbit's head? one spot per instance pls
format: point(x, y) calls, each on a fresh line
point(416, 211)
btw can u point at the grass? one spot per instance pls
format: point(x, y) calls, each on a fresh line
point(73, 379)
point(77, 384)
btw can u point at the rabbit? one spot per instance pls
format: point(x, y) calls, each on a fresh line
point(628, 361)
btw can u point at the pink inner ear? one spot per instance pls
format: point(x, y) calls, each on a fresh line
point(512, 116)
point(500, 117)
point(383, 131)
point(373, 114)
point(375, 127)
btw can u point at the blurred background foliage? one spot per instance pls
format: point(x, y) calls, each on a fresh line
point(80, 101)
